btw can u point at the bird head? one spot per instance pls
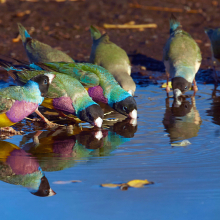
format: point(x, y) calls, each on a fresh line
point(44, 189)
point(180, 86)
point(92, 114)
point(127, 107)
point(43, 80)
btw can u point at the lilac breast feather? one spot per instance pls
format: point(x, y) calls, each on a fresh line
point(96, 93)
point(20, 110)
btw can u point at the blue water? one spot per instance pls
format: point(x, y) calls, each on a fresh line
point(186, 177)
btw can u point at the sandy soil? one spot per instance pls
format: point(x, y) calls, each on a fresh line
point(65, 25)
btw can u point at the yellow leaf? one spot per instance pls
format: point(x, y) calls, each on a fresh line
point(165, 85)
point(110, 185)
point(138, 183)
point(170, 85)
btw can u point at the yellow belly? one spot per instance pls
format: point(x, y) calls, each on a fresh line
point(5, 150)
point(48, 103)
point(5, 121)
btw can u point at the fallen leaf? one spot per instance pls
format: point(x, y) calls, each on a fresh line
point(17, 39)
point(170, 85)
point(181, 144)
point(138, 183)
point(110, 185)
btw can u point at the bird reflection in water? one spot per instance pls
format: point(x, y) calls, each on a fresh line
point(182, 120)
point(21, 168)
point(62, 148)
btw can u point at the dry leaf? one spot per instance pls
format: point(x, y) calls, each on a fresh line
point(138, 183)
point(17, 39)
point(130, 26)
point(181, 144)
point(110, 185)
point(21, 14)
point(170, 85)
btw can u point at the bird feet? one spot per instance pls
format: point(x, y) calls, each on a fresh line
point(167, 90)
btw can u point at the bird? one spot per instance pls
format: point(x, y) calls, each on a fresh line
point(21, 168)
point(65, 94)
point(214, 37)
point(182, 59)
point(113, 58)
point(17, 102)
point(108, 90)
point(40, 52)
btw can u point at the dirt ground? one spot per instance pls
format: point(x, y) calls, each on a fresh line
point(65, 25)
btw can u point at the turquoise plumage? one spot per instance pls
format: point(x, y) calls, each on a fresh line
point(65, 94)
point(117, 98)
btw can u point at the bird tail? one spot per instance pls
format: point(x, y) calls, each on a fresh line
point(174, 23)
point(9, 66)
point(95, 33)
point(209, 32)
point(23, 32)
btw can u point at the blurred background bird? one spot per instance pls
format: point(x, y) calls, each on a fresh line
point(214, 37)
point(113, 58)
point(182, 59)
point(40, 52)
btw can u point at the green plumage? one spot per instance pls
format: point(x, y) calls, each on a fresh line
point(111, 89)
point(113, 58)
point(29, 92)
point(86, 77)
point(182, 56)
point(62, 85)
point(40, 52)
point(5, 104)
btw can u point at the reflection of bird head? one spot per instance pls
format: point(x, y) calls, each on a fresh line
point(126, 128)
point(44, 189)
point(92, 139)
point(181, 110)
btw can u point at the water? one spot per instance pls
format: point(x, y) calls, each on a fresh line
point(186, 177)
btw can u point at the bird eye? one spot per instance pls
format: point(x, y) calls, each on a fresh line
point(186, 88)
point(124, 108)
point(45, 81)
point(46, 191)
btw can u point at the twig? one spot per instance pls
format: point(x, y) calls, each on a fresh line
point(130, 26)
point(156, 8)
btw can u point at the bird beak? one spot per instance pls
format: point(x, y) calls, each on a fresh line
point(98, 135)
point(50, 76)
point(133, 114)
point(51, 192)
point(131, 92)
point(98, 122)
point(177, 93)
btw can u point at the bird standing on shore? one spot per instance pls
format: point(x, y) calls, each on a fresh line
point(182, 59)
point(113, 58)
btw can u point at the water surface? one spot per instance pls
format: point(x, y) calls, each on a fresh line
point(186, 178)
